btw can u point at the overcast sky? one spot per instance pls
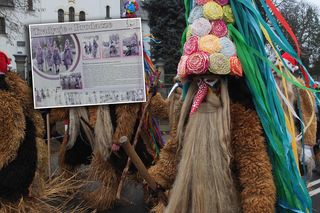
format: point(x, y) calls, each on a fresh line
point(316, 2)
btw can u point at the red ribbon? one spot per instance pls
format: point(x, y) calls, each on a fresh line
point(287, 27)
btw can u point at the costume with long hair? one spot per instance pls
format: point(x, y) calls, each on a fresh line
point(93, 131)
point(221, 156)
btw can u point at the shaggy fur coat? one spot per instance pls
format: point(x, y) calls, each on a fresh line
point(23, 128)
point(251, 167)
point(124, 121)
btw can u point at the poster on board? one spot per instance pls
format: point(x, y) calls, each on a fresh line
point(87, 63)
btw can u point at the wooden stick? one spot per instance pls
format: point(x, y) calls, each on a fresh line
point(49, 144)
point(126, 169)
point(135, 141)
point(128, 148)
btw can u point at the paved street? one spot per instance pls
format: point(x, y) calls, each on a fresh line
point(315, 192)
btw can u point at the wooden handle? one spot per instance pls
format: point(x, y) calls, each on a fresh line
point(132, 154)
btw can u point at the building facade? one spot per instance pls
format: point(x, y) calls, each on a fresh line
point(16, 15)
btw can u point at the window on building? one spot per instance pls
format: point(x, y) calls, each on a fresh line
point(82, 16)
point(30, 4)
point(7, 3)
point(108, 12)
point(2, 25)
point(60, 15)
point(71, 14)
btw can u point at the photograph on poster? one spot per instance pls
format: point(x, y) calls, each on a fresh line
point(87, 63)
point(71, 81)
point(53, 54)
point(91, 47)
point(131, 44)
point(111, 45)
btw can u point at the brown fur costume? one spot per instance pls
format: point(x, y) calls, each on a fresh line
point(24, 128)
point(13, 121)
point(107, 171)
point(164, 171)
point(307, 101)
point(252, 168)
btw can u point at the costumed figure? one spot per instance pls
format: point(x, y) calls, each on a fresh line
point(95, 48)
point(130, 7)
point(40, 58)
point(292, 193)
point(67, 55)
point(23, 152)
point(56, 57)
point(300, 110)
point(216, 158)
point(49, 58)
point(94, 133)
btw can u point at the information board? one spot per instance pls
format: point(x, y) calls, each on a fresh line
point(87, 63)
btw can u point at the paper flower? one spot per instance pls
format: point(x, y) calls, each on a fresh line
point(227, 14)
point(202, 2)
point(210, 44)
point(222, 2)
point(219, 64)
point(197, 63)
point(219, 28)
point(201, 27)
point(189, 32)
point(228, 48)
point(196, 12)
point(182, 67)
point(191, 46)
point(212, 11)
point(235, 66)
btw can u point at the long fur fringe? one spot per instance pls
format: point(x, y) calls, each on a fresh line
point(159, 107)
point(79, 116)
point(22, 92)
point(102, 171)
point(103, 132)
point(253, 167)
point(38, 184)
point(307, 109)
point(13, 124)
point(59, 195)
point(204, 183)
point(127, 115)
point(165, 169)
point(74, 128)
point(59, 114)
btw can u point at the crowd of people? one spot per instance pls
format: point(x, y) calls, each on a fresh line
point(91, 49)
point(50, 58)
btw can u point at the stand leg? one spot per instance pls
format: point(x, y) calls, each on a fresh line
point(49, 145)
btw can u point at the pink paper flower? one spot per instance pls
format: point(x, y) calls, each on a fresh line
point(191, 46)
point(198, 63)
point(219, 28)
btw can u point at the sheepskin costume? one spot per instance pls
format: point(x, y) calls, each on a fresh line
point(308, 104)
point(165, 169)
point(24, 128)
point(250, 166)
point(93, 131)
